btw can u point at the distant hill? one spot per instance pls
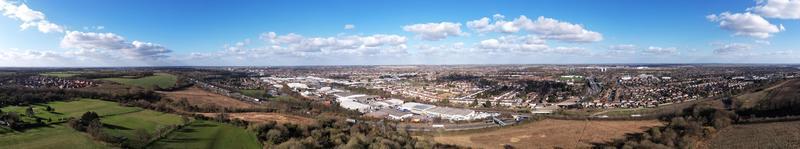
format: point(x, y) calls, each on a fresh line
point(777, 101)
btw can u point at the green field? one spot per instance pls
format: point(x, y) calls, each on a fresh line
point(209, 134)
point(127, 124)
point(254, 93)
point(162, 80)
point(59, 74)
point(53, 136)
point(72, 109)
point(119, 121)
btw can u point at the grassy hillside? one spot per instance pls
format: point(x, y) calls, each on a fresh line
point(118, 121)
point(764, 135)
point(53, 136)
point(209, 134)
point(162, 80)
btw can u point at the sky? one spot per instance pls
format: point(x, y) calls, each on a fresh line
point(101, 33)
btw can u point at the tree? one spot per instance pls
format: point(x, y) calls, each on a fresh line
point(29, 111)
point(142, 137)
point(86, 119)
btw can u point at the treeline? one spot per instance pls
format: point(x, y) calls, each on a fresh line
point(132, 75)
point(336, 133)
point(26, 96)
point(683, 130)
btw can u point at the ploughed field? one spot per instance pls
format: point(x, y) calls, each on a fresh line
point(199, 97)
point(117, 120)
point(548, 133)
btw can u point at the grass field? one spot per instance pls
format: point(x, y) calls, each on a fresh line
point(127, 124)
point(254, 93)
point(54, 136)
point(548, 133)
point(208, 134)
point(119, 121)
point(162, 80)
point(765, 135)
point(75, 108)
point(59, 74)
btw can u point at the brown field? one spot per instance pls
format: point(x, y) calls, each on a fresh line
point(202, 98)
point(261, 117)
point(750, 99)
point(765, 135)
point(548, 133)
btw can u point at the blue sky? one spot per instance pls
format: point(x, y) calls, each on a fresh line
point(182, 32)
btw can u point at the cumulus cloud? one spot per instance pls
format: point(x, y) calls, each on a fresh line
point(511, 43)
point(435, 31)
point(545, 28)
point(95, 42)
point(732, 48)
point(781, 9)
point(652, 50)
point(29, 17)
point(746, 24)
point(349, 26)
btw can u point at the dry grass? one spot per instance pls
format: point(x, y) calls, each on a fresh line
point(765, 135)
point(750, 99)
point(262, 117)
point(548, 133)
point(202, 98)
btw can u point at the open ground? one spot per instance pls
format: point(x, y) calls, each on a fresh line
point(548, 133)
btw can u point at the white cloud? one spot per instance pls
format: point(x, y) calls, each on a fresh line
point(545, 28)
point(781, 9)
point(295, 44)
point(29, 17)
point(660, 51)
point(435, 31)
point(511, 43)
point(481, 25)
point(732, 48)
point(95, 42)
point(746, 24)
point(622, 49)
point(349, 26)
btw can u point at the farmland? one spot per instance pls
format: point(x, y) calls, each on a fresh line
point(208, 134)
point(202, 98)
point(60, 74)
point(764, 135)
point(255, 93)
point(162, 80)
point(547, 133)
